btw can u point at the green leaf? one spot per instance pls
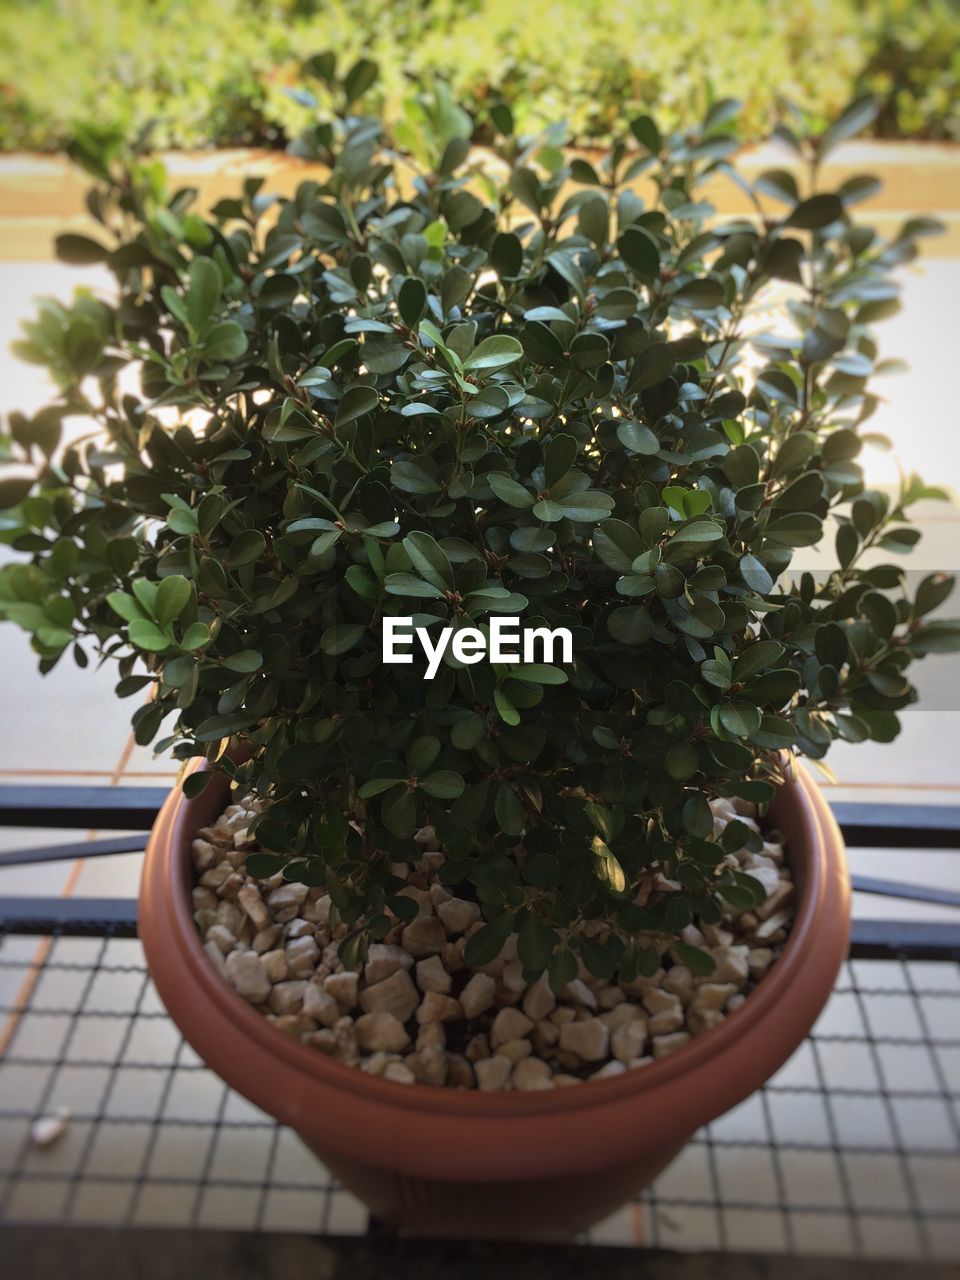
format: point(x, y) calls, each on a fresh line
point(509, 491)
point(173, 594)
point(816, 212)
point(637, 438)
point(245, 661)
point(443, 785)
point(355, 403)
point(147, 635)
point(538, 673)
point(342, 637)
point(246, 548)
point(377, 786)
point(639, 251)
point(195, 636)
point(700, 963)
point(682, 761)
point(496, 352)
point(225, 341)
point(203, 291)
point(80, 251)
point(508, 810)
point(536, 943)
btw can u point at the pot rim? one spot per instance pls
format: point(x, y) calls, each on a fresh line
point(805, 820)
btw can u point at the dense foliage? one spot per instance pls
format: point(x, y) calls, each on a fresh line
point(518, 392)
point(237, 72)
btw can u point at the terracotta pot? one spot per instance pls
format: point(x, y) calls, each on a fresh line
point(444, 1162)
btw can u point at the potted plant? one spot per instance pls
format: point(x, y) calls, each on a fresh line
point(495, 929)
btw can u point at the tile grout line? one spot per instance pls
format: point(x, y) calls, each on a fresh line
point(32, 977)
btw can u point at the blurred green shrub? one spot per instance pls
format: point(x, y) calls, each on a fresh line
point(230, 72)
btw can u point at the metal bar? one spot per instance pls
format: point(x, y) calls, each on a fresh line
point(67, 852)
point(899, 826)
point(916, 939)
point(117, 916)
point(108, 808)
point(897, 889)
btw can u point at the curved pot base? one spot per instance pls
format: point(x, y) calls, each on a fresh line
point(536, 1209)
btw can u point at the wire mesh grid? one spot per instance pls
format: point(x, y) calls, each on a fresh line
point(854, 1146)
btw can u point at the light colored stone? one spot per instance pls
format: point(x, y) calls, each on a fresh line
point(295, 1025)
point(383, 961)
point(564, 1081)
point(429, 1066)
point(399, 1073)
point(287, 997)
point(431, 1035)
point(512, 978)
point(421, 897)
point(216, 958)
point(664, 1045)
point(344, 987)
point(224, 939)
point(515, 1049)
point(325, 1040)
point(588, 1040)
point(255, 907)
point(458, 915)
point(478, 995)
point(578, 992)
point(460, 1072)
point(347, 1049)
point(776, 902)
point(265, 939)
point(656, 1000)
point(621, 1014)
point(248, 976)
point(668, 1020)
point(532, 1074)
point(477, 1047)
point(424, 936)
point(275, 963)
point(539, 999)
point(320, 1004)
point(205, 855)
point(299, 928)
point(436, 1007)
point(610, 997)
point(438, 894)
point(46, 1130)
point(215, 876)
point(759, 960)
point(628, 1041)
point(285, 900)
point(700, 1020)
point(713, 995)
point(509, 1024)
point(381, 1031)
point(432, 976)
point(731, 964)
point(493, 1073)
point(678, 980)
point(544, 1036)
point(303, 955)
point(396, 995)
point(609, 1069)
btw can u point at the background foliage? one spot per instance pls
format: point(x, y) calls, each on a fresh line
point(518, 391)
point(224, 74)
